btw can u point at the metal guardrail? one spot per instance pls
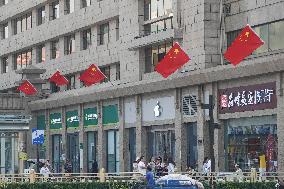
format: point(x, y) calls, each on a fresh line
point(133, 176)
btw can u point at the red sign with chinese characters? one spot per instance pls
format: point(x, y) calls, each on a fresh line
point(248, 98)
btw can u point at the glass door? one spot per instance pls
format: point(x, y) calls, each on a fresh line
point(92, 149)
point(73, 151)
point(56, 152)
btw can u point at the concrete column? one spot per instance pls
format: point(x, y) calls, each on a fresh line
point(78, 41)
point(94, 38)
point(82, 140)
point(2, 162)
point(77, 5)
point(34, 56)
point(10, 28)
point(64, 135)
point(47, 51)
point(10, 63)
point(123, 140)
point(61, 47)
point(101, 139)
point(61, 8)
point(48, 153)
point(180, 135)
point(13, 155)
point(201, 124)
point(113, 72)
point(280, 121)
point(47, 12)
point(34, 18)
point(141, 135)
point(21, 149)
point(218, 134)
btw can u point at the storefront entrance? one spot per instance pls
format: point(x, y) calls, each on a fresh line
point(161, 143)
point(56, 152)
point(249, 139)
point(73, 152)
point(9, 153)
point(92, 138)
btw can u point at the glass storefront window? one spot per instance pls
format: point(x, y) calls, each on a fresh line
point(56, 152)
point(73, 152)
point(112, 151)
point(247, 139)
point(92, 149)
point(9, 153)
point(276, 39)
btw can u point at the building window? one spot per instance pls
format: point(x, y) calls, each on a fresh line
point(106, 71)
point(271, 34)
point(54, 7)
point(104, 33)
point(69, 44)
point(117, 72)
point(69, 6)
point(276, 33)
point(86, 36)
point(4, 31)
point(54, 49)
point(23, 23)
point(40, 15)
point(117, 29)
point(40, 53)
point(154, 54)
point(54, 88)
point(3, 2)
point(157, 8)
point(71, 84)
point(4, 65)
point(86, 3)
point(158, 26)
point(23, 59)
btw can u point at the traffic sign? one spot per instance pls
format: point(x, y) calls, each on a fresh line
point(37, 136)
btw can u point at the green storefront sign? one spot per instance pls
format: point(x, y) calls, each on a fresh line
point(110, 114)
point(55, 121)
point(72, 119)
point(41, 122)
point(90, 117)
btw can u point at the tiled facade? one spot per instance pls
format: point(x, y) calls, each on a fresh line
point(113, 35)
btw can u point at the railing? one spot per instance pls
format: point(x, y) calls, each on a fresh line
point(131, 177)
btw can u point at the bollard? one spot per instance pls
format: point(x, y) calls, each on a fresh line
point(32, 176)
point(253, 175)
point(102, 175)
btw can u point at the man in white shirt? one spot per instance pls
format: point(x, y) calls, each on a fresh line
point(44, 171)
point(142, 166)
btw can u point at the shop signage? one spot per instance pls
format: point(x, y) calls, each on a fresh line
point(248, 98)
point(90, 117)
point(157, 109)
point(37, 136)
point(110, 114)
point(72, 119)
point(55, 121)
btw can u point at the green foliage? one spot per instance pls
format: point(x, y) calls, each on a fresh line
point(244, 185)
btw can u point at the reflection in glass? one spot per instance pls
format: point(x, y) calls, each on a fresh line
point(276, 38)
point(262, 31)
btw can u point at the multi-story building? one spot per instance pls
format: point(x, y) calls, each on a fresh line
point(135, 111)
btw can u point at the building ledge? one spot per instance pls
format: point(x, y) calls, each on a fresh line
point(248, 68)
point(142, 41)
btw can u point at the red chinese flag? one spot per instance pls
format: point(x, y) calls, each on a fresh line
point(92, 75)
point(247, 42)
point(58, 79)
point(27, 88)
point(172, 61)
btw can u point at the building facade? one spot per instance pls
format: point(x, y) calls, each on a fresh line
point(135, 111)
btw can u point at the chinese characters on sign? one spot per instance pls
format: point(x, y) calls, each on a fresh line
point(248, 98)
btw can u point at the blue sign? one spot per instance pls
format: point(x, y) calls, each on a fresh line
point(37, 136)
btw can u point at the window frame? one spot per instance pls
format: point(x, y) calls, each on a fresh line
point(40, 17)
point(4, 64)
point(54, 48)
